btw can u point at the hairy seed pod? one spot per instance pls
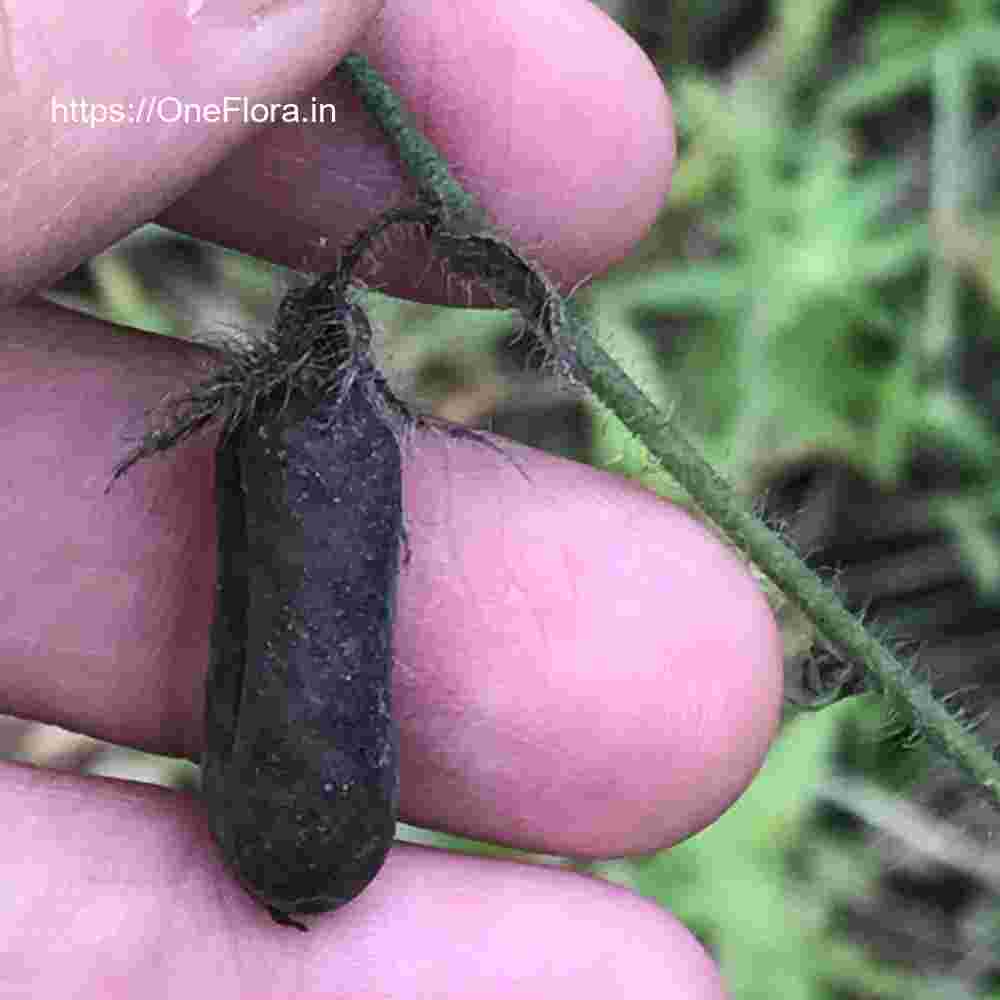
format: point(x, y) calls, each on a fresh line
point(300, 772)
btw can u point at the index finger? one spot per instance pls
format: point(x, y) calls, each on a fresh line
point(573, 161)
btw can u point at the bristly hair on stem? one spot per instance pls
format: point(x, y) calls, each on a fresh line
point(320, 340)
point(311, 348)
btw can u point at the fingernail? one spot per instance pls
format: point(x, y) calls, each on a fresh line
point(231, 13)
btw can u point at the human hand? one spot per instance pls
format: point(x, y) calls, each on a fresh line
point(581, 668)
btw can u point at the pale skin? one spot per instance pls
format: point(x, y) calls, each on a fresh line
point(581, 668)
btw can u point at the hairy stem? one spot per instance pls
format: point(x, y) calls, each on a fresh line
point(419, 155)
point(576, 347)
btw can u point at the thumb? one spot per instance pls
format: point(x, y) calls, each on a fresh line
point(109, 116)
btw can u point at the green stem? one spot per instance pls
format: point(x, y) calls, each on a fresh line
point(419, 155)
point(778, 561)
point(580, 352)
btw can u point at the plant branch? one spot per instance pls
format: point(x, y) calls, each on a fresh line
point(472, 248)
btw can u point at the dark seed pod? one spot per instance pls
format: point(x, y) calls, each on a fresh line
point(301, 767)
point(300, 770)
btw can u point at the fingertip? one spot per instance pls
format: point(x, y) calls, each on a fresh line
point(595, 652)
